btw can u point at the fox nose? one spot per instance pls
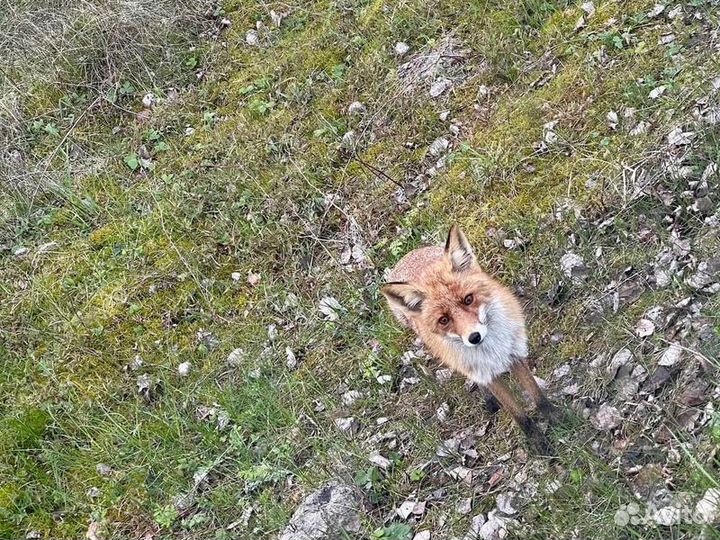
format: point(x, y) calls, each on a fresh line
point(475, 338)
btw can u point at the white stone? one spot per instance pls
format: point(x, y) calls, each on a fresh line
point(589, 8)
point(606, 418)
point(657, 92)
point(440, 86)
point(356, 108)
point(504, 503)
point(252, 38)
point(707, 510)
point(235, 357)
point(671, 356)
point(184, 369)
point(644, 328)
point(656, 10)
point(380, 461)
point(401, 48)
point(439, 146)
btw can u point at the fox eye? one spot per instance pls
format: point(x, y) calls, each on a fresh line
point(444, 320)
point(468, 299)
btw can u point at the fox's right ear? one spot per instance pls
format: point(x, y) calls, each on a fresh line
point(458, 250)
point(403, 296)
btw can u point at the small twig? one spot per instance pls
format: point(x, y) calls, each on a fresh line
point(378, 172)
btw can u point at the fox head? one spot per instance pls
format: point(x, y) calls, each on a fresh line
point(452, 299)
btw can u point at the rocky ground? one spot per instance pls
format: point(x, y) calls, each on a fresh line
point(201, 204)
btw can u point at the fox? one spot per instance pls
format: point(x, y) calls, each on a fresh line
point(470, 322)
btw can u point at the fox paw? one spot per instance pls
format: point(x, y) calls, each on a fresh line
point(539, 444)
point(537, 441)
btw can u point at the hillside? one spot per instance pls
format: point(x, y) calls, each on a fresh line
point(199, 204)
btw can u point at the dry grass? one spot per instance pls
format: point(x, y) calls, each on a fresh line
point(79, 55)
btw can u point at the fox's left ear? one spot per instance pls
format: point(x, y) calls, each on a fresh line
point(403, 297)
point(458, 250)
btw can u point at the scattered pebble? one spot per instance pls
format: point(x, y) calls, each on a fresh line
point(356, 108)
point(606, 418)
point(656, 10)
point(290, 358)
point(706, 274)
point(331, 308)
point(439, 146)
point(347, 425)
point(644, 328)
point(504, 503)
point(464, 506)
point(401, 48)
point(707, 510)
point(678, 137)
point(253, 279)
point(573, 266)
point(640, 128)
point(136, 363)
point(234, 359)
point(184, 369)
point(103, 469)
point(252, 38)
point(497, 526)
point(149, 100)
point(350, 397)
point(380, 461)
point(657, 92)
point(276, 18)
point(410, 507)
point(675, 12)
point(588, 8)
point(349, 140)
point(443, 412)
point(612, 119)
point(671, 356)
point(440, 86)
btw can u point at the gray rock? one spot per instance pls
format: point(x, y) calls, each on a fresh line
point(440, 86)
point(671, 356)
point(707, 273)
point(103, 469)
point(497, 526)
point(704, 205)
point(356, 108)
point(707, 509)
point(50, 246)
point(439, 146)
point(573, 266)
point(326, 514)
point(252, 38)
point(607, 418)
point(401, 48)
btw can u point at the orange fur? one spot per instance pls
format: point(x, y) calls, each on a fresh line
point(466, 319)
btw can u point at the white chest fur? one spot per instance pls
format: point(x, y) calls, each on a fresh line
point(504, 344)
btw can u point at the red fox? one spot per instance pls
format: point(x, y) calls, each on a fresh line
point(468, 321)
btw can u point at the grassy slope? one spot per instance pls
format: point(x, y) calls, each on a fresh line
point(144, 259)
